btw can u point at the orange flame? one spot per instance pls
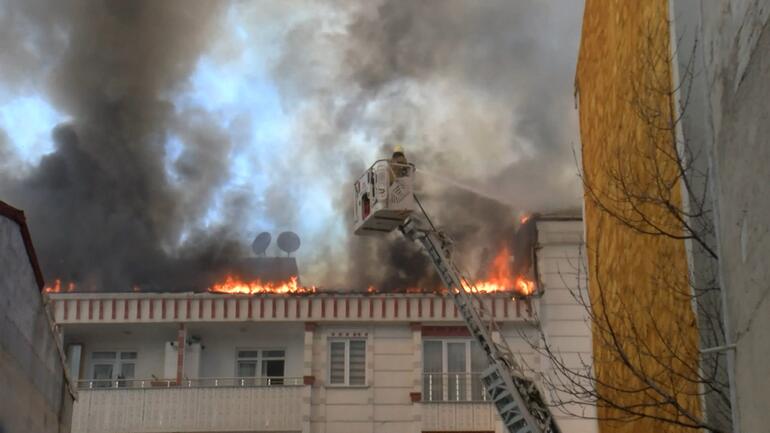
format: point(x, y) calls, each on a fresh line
point(501, 279)
point(236, 285)
point(524, 218)
point(57, 287)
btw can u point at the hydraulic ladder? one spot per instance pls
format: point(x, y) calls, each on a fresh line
point(516, 397)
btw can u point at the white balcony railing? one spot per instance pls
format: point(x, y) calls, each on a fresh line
point(215, 382)
point(457, 387)
point(456, 401)
point(194, 405)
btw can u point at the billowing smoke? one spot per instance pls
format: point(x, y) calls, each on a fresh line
point(479, 94)
point(101, 207)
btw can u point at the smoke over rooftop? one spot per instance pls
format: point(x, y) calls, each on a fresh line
point(145, 181)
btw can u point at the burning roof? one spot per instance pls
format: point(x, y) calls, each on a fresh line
point(509, 271)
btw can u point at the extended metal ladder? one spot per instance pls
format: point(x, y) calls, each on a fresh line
point(517, 399)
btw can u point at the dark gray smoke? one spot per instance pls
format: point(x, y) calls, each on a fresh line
point(101, 207)
point(480, 92)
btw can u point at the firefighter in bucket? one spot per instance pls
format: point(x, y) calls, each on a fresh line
point(399, 166)
point(383, 195)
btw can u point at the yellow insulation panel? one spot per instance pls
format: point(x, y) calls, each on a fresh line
point(638, 282)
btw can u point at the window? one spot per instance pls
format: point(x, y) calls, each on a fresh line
point(347, 362)
point(262, 367)
point(111, 368)
point(451, 370)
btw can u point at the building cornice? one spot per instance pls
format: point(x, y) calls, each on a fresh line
point(72, 308)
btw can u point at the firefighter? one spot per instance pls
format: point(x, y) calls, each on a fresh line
point(398, 164)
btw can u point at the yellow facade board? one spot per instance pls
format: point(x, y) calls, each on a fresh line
point(638, 281)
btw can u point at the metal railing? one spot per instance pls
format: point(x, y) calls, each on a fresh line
point(453, 387)
point(204, 382)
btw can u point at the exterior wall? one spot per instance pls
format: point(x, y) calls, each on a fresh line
point(394, 327)
point(623, 50)
point(35, 394)
point(383, 405)
point(147, 341)
point(731, 99)
point(220, 343)
point(565, 322)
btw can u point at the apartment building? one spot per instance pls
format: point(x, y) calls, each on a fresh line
point(323, 362)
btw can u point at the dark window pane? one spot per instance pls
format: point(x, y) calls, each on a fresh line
point(432, 358)
point(479, 360)
point(357, 362)
point(337, 362)
point(273, 354)
point(127, 370)
point(247, 369)
point(479, 363)
point(272, 368)
point(103, 375)
point(103, 355)
point(456, 371)
point(455, 357)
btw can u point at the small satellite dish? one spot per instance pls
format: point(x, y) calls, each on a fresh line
point(260, 244)
point(288, 242)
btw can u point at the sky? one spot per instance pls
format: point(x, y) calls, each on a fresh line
point(136, 133)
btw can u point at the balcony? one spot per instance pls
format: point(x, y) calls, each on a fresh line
point(456, 401)
point(195, 405)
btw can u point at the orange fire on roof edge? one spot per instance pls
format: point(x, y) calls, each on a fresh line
point(57, 287)
point(500, 279)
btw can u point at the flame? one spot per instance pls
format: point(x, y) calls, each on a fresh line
point(524, 218)
point(236, 285)
point(501, 279)
point(57, 287)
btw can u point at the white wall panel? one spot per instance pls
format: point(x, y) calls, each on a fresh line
point(188, 409)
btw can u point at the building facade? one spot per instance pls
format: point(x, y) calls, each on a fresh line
point(722, 53)
point(321, 362)
point(35, 393)
point(688, 79)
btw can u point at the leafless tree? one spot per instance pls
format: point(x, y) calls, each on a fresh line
point(655, 187)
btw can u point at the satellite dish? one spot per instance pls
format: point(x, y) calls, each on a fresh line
point(260, 244)
point(288, 242)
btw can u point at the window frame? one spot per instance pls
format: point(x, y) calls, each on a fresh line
point(259, 359)
point(115, 362)
point(346, 371)
point(445, 374)
point(445, 353)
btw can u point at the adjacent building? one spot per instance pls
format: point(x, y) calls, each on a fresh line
point(324, 362)
point(35, 394)
point(673, 108)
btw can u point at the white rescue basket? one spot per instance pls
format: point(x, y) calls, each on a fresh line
point(383, 198)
